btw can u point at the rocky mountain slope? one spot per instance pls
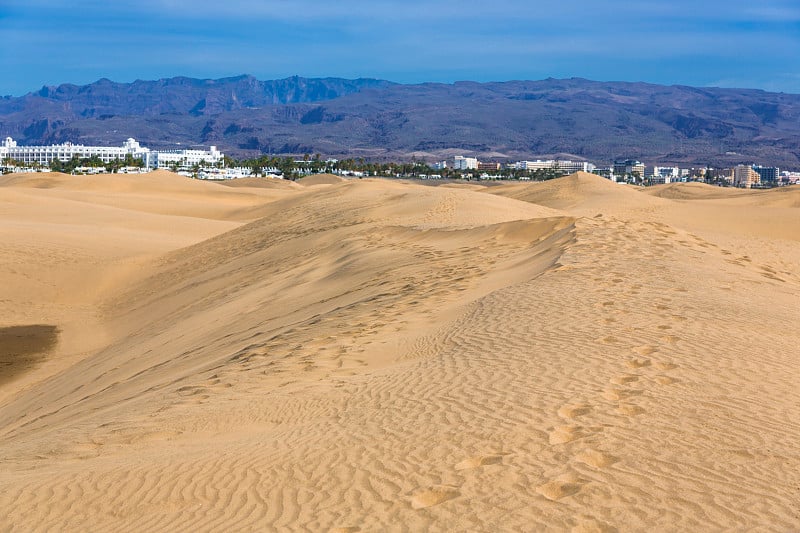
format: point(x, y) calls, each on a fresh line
point(369, 118)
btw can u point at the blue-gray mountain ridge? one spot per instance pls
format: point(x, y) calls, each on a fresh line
point(377, 119)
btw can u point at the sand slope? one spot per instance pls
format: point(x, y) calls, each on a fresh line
point(584, 193)
point(779, 197)
point(261, 183)
point(159, 192)
point(321, 179)
point(372, 355)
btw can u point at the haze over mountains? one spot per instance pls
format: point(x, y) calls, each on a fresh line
point(370, 118)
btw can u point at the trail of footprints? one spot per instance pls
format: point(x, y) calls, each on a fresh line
point(642, 369)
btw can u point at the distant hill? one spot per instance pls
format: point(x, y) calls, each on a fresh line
point(573, 118)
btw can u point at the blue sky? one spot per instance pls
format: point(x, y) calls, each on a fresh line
point(728, 43)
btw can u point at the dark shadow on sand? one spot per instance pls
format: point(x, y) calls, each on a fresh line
point(24, 347)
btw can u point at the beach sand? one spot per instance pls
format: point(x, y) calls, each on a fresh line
point(371, 355)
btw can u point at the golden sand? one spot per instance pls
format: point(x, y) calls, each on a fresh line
point(368, 355)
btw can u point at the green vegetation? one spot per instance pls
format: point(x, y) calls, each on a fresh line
point(95, 162)
point(129, 161)
point(292, 168)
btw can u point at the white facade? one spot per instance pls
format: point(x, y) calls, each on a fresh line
point(666, 174)
point(465, 163)
point(569, 167)
point(185, 158)
point(43, 155)
point(224, 173)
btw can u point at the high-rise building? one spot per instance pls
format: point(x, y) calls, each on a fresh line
point(567, 167)
point(629, 167)
point(465, 163)
point(769, 175)
point(745, 176)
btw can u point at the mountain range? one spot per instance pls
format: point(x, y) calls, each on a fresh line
point(377, 119)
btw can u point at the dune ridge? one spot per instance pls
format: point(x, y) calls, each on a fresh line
point(370, 355)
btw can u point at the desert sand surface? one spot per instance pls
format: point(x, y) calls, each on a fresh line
point(321, 179)
point(261, 183)
point(371, 355)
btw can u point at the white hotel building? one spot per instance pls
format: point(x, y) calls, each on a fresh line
point(465, 163)
point(569, 167)
point(185, 158)
point(43, 155)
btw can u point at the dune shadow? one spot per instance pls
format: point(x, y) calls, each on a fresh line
point(24, 347)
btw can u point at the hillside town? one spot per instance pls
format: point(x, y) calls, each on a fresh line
point(212, 164)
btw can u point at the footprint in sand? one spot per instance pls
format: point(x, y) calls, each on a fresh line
point(666, 366)
point(627, 409)
point(564, 434)
point(346, 529)
point(607, 340)
point(478, 461)
point(638, 363)
point(557, 489)
point(192, 391)
point(574, 411)
point(644, 350)
point(593, 526)
point(433, 496)
point(619, 394)
point(624, 380)
point(595, 458)
point(665, 380)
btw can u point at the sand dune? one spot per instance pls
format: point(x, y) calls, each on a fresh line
point(261, 183)
point(159, 192)
point(780, 197)
point(321, 179)
point(695, 191)
point(582, 193)
point(371, 355)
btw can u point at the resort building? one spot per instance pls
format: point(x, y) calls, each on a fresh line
point(666, 172)
point(661, 175)
point(769, 175)
point(465, 163)
point(489, 166)
point(629, 167)
point(185, 158)
point(745, 176)
point(567, 167)
point(570, 167)
point(43, 155)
